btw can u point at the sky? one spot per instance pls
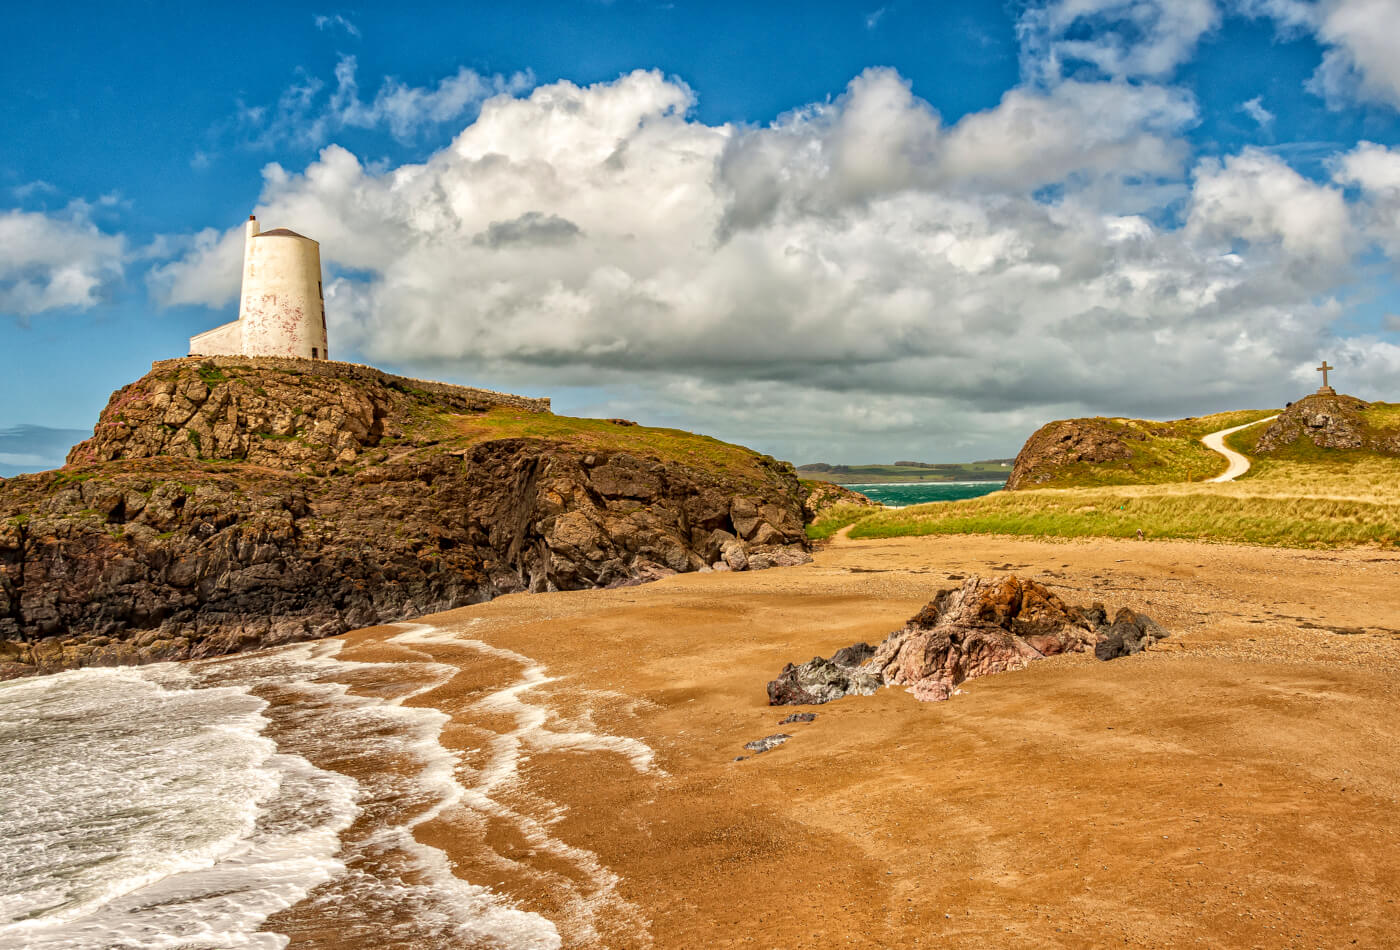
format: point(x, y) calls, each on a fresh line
point(841, 232)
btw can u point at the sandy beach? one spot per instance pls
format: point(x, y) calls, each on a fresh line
point(1236, 787)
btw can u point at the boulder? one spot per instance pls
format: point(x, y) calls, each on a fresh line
point(1130, 632)
point(981, 628)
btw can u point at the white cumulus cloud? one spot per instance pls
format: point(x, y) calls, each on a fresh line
point(336, 21)
point(1255, 197)
point(1119, 38)
point(857, 253)
point(310, 111)
point(1361, 40)
point(1254, 108)
point(55, 261)
point(1375, 171)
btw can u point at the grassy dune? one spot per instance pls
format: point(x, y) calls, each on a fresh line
point(1163, 452)
point(1311, 498)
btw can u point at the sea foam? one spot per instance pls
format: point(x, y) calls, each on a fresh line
point(140, 813)
point(236, 801)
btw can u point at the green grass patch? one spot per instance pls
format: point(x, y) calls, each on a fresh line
point(837, 517)
point(211, 375)
point(1195, 516)
point(66, 477)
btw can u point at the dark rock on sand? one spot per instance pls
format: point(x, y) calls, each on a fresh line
point(1130, 632)
point(767, 742)
point(983, 627)
point(820, 680)
point(799, 717)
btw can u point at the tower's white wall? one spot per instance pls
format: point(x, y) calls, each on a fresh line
point(281, 310)
point(226, 340)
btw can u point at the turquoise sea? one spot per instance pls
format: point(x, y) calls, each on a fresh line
point(902, 494)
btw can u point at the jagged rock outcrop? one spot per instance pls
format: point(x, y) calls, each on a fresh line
point(216, 513)
point(983, 627)
point(1328, 421)
point(1056, 445)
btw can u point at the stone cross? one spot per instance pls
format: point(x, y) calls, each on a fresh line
point(1323, 369)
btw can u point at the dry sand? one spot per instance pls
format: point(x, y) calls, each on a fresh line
point(1235, 788)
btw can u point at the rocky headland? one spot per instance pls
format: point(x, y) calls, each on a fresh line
point(234, 503)
point(985, 626)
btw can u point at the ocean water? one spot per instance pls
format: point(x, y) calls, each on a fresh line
point(241, 801)
point(903, 494)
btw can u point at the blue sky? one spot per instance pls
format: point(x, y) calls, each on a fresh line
point(835, 231)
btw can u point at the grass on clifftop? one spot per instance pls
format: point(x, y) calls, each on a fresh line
point(678, 445)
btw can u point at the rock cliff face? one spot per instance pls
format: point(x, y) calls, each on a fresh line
point(983, 627)
point(1054, 446)
point(235, 506)
point(1328, 421)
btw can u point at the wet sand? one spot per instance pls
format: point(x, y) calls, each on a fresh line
point(1237, 787)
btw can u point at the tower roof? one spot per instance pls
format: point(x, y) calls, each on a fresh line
point(282, 232)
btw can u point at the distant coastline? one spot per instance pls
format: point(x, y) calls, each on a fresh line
point(908, 473)
point(928, 481)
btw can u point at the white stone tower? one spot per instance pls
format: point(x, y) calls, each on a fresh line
point(281, 311)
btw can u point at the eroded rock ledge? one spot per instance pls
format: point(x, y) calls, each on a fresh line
point(986, 626)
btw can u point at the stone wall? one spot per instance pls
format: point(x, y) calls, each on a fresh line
point(339, 370)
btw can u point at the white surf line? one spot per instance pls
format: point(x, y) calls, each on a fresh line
point(1238, 463)
point(502, 771)
point(487, 915)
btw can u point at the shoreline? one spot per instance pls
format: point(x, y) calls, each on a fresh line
point(1154, 800)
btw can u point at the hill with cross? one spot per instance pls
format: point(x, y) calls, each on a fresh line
point(1321, 473)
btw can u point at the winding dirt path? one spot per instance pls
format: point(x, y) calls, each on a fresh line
point(1238, 463)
